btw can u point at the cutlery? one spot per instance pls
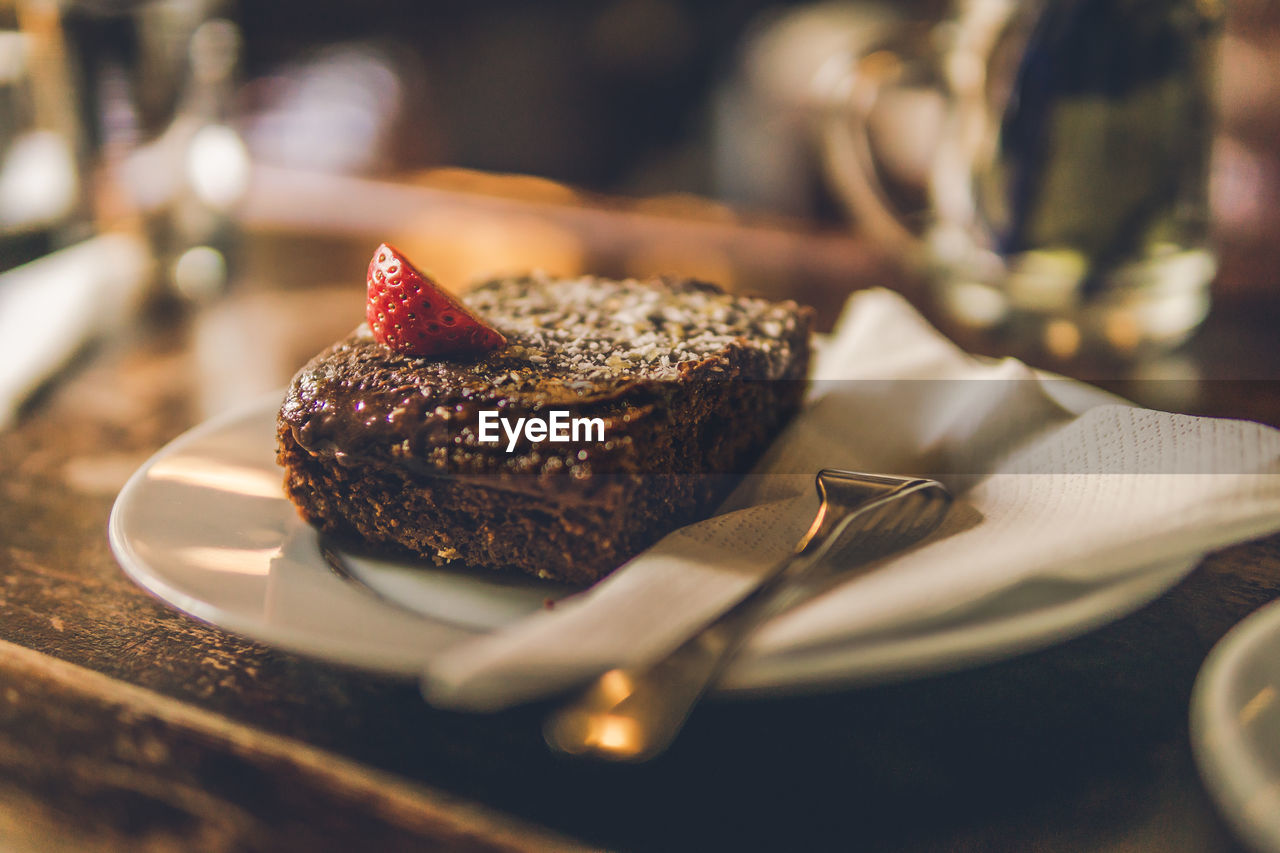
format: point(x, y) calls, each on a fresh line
point(634, 713)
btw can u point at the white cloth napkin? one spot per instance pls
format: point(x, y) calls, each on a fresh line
point(1053, 480)
point(51, 307)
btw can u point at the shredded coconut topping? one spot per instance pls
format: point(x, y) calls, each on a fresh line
point(593, 328)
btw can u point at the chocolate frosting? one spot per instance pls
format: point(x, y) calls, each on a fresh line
point(618, 350)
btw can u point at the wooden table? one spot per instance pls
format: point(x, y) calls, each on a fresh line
point(125, 725)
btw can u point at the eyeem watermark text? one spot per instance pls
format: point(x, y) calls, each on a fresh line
point(556, 426)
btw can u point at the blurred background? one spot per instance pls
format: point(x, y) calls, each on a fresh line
point(222, 145)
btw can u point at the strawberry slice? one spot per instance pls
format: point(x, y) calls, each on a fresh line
point(415, 316)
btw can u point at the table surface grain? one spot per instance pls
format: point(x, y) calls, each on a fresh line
point(125, 725)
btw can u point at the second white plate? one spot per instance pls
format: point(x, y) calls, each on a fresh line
point(1235, 727)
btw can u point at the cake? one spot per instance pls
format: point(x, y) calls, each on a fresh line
point(654, 396)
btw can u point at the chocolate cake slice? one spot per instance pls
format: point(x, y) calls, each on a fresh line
point(652, 395)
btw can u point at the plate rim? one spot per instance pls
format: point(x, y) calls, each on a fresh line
point(833, 667)
point(1221, 753)
point(153, 581)
point(138, 569)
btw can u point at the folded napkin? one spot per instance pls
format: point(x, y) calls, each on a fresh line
point(1053, 480)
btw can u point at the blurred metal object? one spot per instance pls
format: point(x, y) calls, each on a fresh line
point(764, 154)
point(1067, 192)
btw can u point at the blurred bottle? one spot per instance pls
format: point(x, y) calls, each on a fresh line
point(43, 204)
point(155, 80)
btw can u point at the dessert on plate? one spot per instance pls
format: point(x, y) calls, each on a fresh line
point(557, 426)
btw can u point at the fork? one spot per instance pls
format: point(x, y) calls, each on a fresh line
point(633, 714)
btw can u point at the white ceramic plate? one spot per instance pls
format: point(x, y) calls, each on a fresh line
point(1235, 727)
point(205, 526)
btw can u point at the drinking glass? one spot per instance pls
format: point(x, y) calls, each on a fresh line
point(1066, 183)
